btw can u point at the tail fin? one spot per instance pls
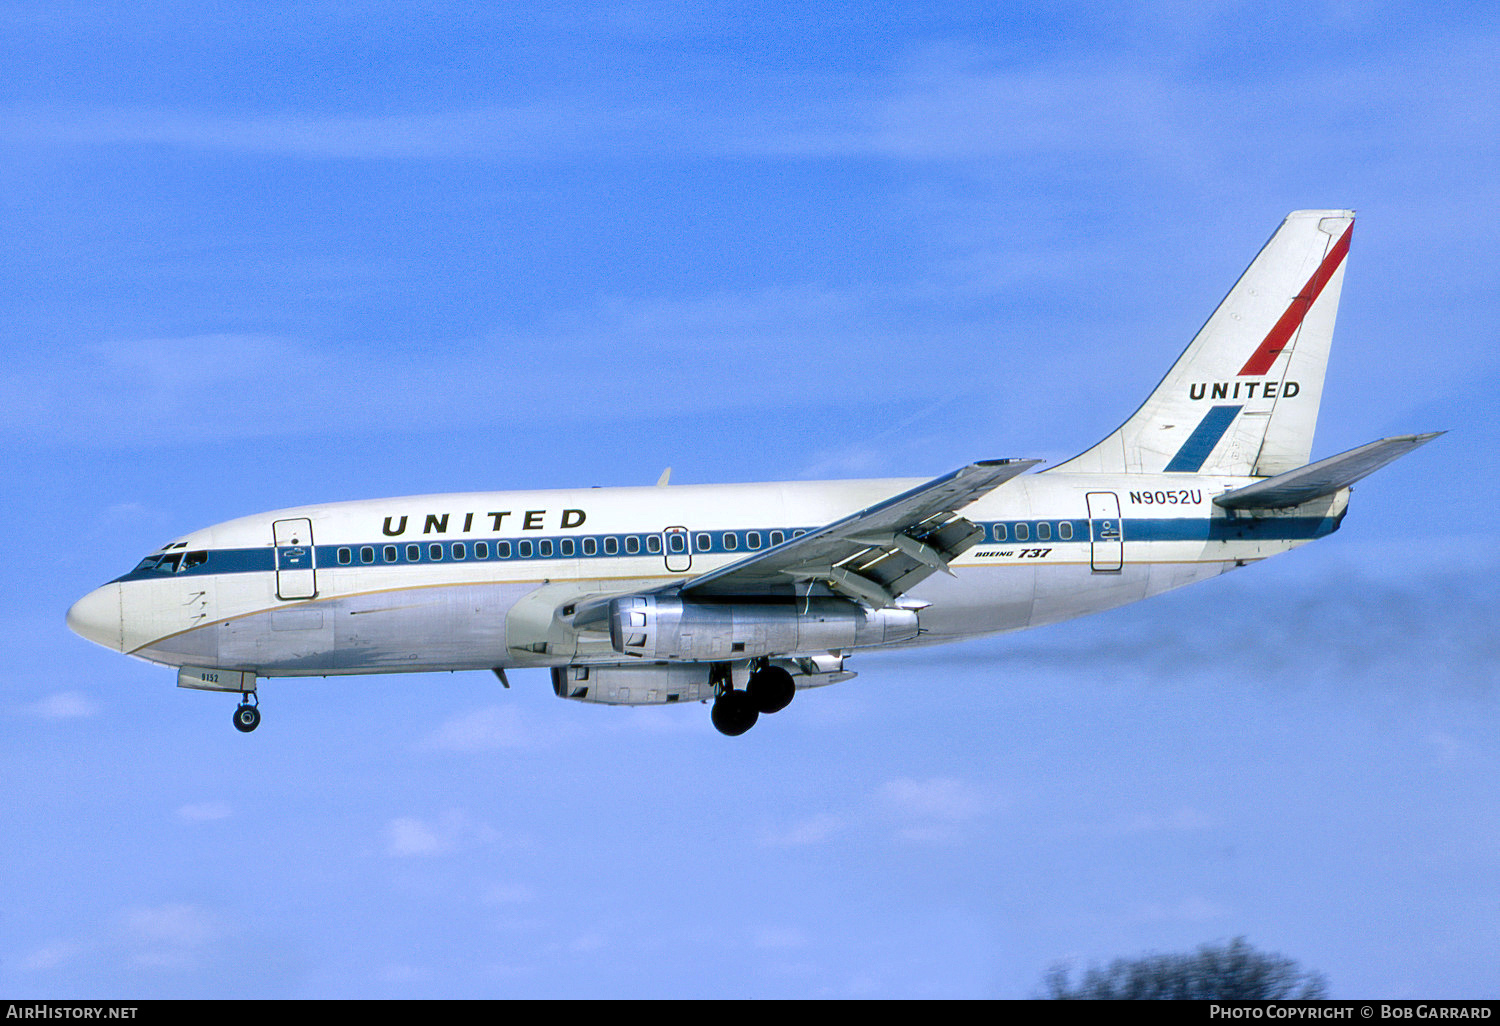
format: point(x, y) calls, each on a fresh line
point(1243, 399)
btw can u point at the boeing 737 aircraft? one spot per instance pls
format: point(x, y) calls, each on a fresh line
point(745, 594)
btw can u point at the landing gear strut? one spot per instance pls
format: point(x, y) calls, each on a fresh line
point(247, 715)
point(770, 690)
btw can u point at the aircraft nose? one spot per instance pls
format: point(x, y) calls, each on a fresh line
point(96, 617)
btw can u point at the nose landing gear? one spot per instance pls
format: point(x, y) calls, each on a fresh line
point(246, 714)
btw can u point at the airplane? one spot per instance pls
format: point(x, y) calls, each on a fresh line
point(744, 595)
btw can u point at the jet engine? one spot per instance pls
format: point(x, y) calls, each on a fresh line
point(666, 627)
point(633, 685)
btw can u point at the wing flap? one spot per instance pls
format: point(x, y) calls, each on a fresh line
point(1325, 477)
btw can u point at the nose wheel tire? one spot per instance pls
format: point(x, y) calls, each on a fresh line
point(246, 717)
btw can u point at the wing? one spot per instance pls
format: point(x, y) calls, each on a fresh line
point(872, 556)
point(875, 555)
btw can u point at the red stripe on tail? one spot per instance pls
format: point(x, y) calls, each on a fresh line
point(1260, 361)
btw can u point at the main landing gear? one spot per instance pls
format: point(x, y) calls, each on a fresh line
point(770, 689)
point(246, 714)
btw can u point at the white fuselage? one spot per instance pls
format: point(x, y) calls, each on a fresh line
point(476, 580)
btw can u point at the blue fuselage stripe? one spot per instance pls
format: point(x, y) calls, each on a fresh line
point(1145, 529)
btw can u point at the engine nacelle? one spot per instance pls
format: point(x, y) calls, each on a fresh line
point(633, 685)
point(665, 683)
point(664, 627)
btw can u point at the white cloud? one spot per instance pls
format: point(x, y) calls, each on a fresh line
point(527, 133)
point(508, 894)
point(935, 810)
point(409, 836)
point(204, 812)
point(65, 705)
point(1192, 909)
point(810, 831)
point(779, 938)
point(939, 798)
point(482, 730)
point(587, 943)
point(52, 956)
point(413, 837)
point(172, 936)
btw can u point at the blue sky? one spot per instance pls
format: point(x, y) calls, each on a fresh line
point(258, 258)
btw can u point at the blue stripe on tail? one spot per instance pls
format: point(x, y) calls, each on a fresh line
point(1195, 451)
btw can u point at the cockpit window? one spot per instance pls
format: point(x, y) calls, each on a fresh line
point(194, 559)
point(168, 564)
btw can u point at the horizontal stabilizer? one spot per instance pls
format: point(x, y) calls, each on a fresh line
point(1323, 477)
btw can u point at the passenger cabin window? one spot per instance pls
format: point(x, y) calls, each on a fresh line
point(705, 543)
point(1022, 532)
point(731, 541)
point(481, 550)
point(413, 553)
point(524, 549)
point(590, 547)
point(1044, 531)
point(460, 550)
point(752, 540)
point(1065, 530)
point(389, 554)
point(544, 548)
point(1000, 533)
point(434, 552)
point(566, 546)
point(653, 544)
point(502, 549)
point(677, 542)
point(367, 554)
point(632, 544)
point(777, 537)
point(345, 557)
point(611, 546)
